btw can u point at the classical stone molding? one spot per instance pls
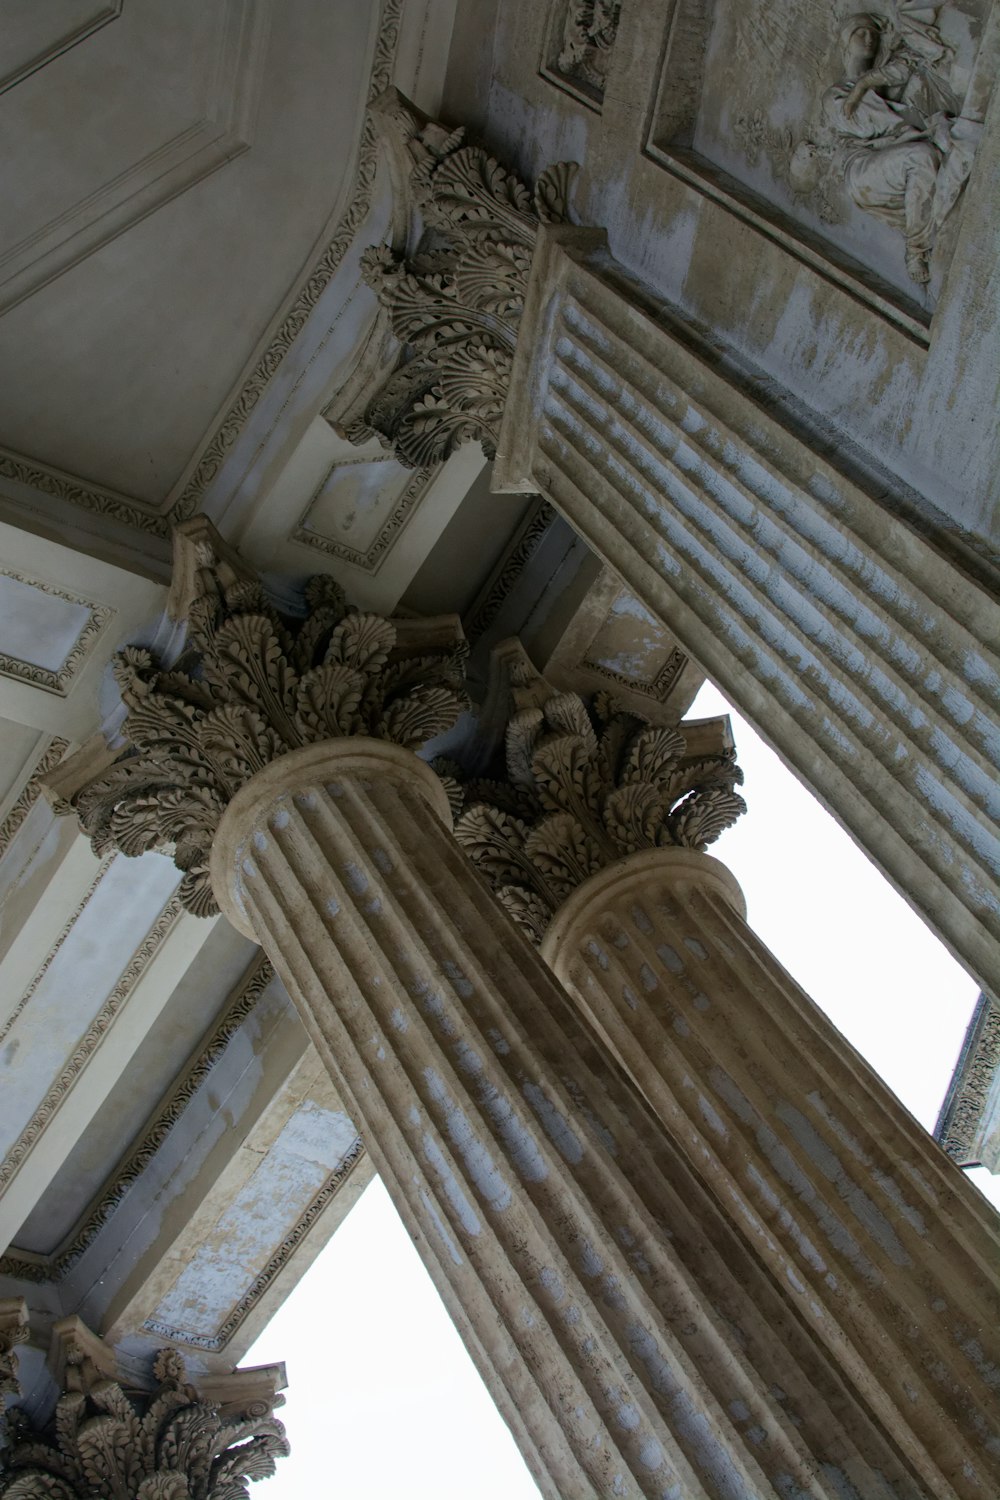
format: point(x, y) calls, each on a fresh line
point(454, 304)
point(108, 1437)
point(371, 558)
point(526, 542)
point(100, 502)
point(30, 792)
point(250, 686)
point(14, 1330)
point(56, 680)
point(275, 1265)
point(91, 1040)
point(256, 383)
point(960, 1123)
point(43, 968)
point(28, 1266)
point(586, 784)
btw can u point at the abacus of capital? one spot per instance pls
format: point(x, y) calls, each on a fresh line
point(639, 1303)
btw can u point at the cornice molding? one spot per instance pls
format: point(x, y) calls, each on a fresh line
point(30, 792)
point(522, 549)
point(100, 502)
point(975, 1074)
point(133, 513)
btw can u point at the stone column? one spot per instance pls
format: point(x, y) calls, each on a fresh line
point(804, 587)
point(883, 1248)
point(640, 1344)
point(853, 644)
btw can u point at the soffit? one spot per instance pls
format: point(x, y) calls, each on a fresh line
point(167, 177)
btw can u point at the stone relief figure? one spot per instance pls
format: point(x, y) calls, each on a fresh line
point(905, 147)
point(589, 33)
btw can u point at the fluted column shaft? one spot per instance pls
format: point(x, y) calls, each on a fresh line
point(640, 1343)
point(890, 1256)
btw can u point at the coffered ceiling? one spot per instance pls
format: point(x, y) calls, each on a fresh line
point(169, 172)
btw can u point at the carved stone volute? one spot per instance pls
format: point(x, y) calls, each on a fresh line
point(249, 685)
point(586, 785)
point(455, 301)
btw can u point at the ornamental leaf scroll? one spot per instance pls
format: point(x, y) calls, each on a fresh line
point(587, 784)
point(167, 1444)
point(251, 685)
point(454, 304)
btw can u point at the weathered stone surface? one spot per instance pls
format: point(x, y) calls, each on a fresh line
point(639, 1340)
point(250, 685)
point(851, 644)
point(889, 1255)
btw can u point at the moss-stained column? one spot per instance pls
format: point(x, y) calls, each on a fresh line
point(637, 1341)
point(887, 1254)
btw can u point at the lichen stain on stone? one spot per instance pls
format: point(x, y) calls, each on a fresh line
point(697, 948)
point(596, 951)
point(670, 958)
point(464, 1210)
point(381, 861)
point(482, 1168)
point(439, 1225)
point(555, 1124)
point(356, 878)
point(463, 985)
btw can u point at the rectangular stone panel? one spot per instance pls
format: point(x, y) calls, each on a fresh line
point(755, 107)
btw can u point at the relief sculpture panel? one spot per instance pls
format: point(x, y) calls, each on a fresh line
point(853, 129)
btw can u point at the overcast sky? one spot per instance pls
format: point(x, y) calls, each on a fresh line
point(382, 1400)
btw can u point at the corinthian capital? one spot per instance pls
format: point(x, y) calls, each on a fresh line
point(251, 684)
point(586, 784)
point(455, 300)
point(163, 1443)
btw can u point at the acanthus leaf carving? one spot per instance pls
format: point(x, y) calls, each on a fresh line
point(167, 1443)
point(249, 686)
point(455, 302)
point(587, 784)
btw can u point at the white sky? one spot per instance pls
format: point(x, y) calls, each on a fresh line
point(383, 1401)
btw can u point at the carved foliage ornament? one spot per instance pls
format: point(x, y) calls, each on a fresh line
point(169, 1445)
point(585, 787)
point(455, 304)
point(250, 686)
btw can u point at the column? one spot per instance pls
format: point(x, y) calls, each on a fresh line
point(853, 645)
point(639, 1344)
point(889, 1256)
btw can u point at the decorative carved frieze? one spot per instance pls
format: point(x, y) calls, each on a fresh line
point(109, 1438)
point(586, 785)
point(250, 685)
point(453, 304)
point(28, 796)
point(14, 1330)
point(963, 1120)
